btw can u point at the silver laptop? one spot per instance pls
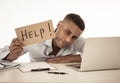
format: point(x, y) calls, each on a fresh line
point(100, 53)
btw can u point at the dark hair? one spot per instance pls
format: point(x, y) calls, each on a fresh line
point(75, 18)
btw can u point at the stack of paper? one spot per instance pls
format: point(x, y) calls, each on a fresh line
point(6, 65)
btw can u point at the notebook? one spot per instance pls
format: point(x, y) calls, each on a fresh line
point(100, 53)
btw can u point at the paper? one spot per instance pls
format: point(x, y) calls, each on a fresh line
point(27, 67)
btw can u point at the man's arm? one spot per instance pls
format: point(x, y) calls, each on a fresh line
point(65, 59)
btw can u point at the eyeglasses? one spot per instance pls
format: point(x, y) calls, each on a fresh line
point(3, 64)
point(8, 65)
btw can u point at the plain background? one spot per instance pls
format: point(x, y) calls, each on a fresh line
point(101, 17)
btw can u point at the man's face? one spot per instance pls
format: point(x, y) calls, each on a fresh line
point(66, 34)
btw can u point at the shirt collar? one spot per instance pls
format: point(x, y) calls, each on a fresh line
point(48, 42)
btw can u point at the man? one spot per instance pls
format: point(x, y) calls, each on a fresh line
point(62, 49)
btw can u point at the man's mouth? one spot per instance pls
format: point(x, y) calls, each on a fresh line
point(65, 44)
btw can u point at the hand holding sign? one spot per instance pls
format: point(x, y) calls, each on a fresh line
point(36, 32)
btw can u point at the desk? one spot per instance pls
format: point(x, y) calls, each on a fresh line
point(110, 76)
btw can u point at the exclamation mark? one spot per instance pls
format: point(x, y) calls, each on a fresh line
point(49, 28)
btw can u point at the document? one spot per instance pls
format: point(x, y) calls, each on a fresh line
point(6, 65)
point(27, 67)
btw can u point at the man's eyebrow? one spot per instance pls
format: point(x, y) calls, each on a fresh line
point(69, 31)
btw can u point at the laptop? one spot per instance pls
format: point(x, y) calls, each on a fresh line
point(100, 53)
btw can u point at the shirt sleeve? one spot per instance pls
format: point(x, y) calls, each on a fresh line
point(4, 52)
point(78, 45)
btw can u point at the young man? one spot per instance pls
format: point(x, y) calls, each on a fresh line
point(62, 49)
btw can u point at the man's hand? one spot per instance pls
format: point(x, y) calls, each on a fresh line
point(65, 59)
point(16, 47)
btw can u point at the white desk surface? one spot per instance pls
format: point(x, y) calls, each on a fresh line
point(109, 76)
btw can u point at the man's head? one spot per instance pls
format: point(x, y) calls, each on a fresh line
point(68, 30)
point(76, 19)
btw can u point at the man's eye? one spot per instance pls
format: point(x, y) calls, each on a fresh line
point(66, 32)
point(74, 38)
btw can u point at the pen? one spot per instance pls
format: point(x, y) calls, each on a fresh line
point(40, 69)
point(62, 73)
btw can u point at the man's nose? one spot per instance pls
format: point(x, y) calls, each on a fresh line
point(68, 40)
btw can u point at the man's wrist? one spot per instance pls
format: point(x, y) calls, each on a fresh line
point(7, 58)
point(75, 58)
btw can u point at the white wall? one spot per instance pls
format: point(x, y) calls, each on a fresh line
point(101, 17)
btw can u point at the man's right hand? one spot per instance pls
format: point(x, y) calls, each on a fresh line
point(16, 48)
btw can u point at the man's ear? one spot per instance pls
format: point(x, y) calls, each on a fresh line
point(59, 24)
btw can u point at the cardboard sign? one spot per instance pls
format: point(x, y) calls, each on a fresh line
point(36, 32)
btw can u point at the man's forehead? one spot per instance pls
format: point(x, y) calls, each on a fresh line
point(70, 25)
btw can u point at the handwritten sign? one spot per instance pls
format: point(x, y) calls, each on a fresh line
point(36, 32)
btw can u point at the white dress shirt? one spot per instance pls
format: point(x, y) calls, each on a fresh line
point(40, 51)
